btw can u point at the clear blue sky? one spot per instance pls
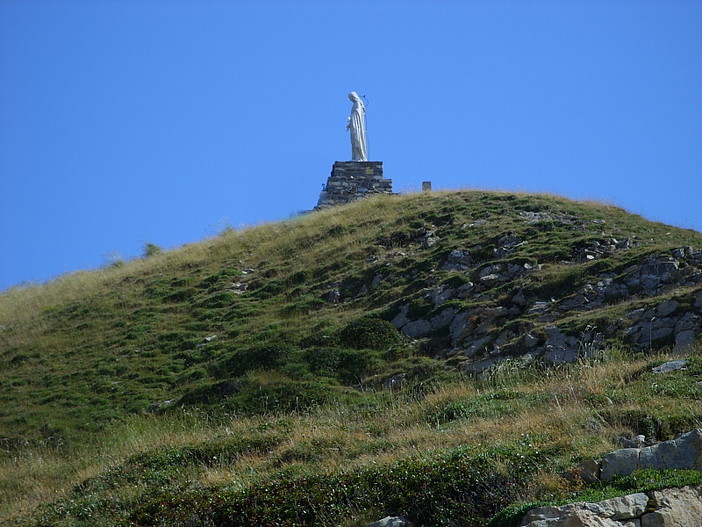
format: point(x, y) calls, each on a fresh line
point(126, 122)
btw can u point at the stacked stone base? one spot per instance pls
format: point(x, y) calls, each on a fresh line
point(353, 180)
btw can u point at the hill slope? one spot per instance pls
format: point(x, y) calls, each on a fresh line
point(381, 305)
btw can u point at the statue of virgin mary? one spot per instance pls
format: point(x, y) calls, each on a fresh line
point(357, 127)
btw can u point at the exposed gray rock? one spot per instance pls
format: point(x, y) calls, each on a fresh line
point(539, 306)
point(416, 328)
point(681, 507)
point(476, 223)
point(443, 319)
point(334, 296)
point(560, 356)
point(395, 381)
point(238, 287)
point(490, 269)
point(606, 513)
point(507, 245)
point(666, 308)
point(493, 278)
point(622, 508)
point(464, 291)
point(401, 319)
point(504, 337)
point(457, 260)
point(657, 271)
point(477, 346)
point(161, 405)
point(458, 327)
point(440, 295)
point(661, 333)
point(429, 239)
point(683, 252)
point(206, 341)
point(481, 366)
point(635, 442)
point(519, 299)
point(377, 279)
point(698, 301)
point(624, 461)
point(390, 521)
point(560, 348)
point(671, 365)
point(689, 321)
point(683, 452)
point(676, 507)
point(685, 339)
point(530, 340)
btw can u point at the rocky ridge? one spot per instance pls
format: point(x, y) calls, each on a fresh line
point(485, 334)
point(284, 320)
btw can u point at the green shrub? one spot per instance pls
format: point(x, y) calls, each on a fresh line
point(217, 300)
point(455, 487)
point(264, 357)
point(369, 333)
point(347, 365)
point(494, 404)
point(280, 397)
point(151, 249)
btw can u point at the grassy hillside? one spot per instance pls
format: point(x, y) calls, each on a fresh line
point(256, 377)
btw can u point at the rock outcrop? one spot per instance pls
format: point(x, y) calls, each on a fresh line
point(678, 507)
point(484, 329)
point(675, 507)
point(683, 452)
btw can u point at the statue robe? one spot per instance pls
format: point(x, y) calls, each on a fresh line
point(357, 127)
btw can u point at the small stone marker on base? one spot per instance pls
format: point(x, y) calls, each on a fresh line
point(352, 180)
point(426, 186)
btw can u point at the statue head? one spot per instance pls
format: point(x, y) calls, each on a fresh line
point(353, 96)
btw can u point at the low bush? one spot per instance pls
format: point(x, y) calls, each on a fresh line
point(369, 333)
point(456, 487)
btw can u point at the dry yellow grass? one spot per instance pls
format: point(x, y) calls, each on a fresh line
point(336, 439)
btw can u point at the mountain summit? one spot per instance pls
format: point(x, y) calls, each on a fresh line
point(344, 308)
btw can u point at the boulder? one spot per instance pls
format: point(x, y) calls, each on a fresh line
point(443, 319)
point(480, 366)
point(674, 508)
point(457, 260)
point(683, 452)
point(401, 318)
point(390, 521)
point(607, 513)
point(623, 462)
point(666, 308)
point(477, 346)
point(685, 339)
point(440, 295)
point(417, 328)
point(671, 365)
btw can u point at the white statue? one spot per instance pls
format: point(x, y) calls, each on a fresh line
point(357, 127)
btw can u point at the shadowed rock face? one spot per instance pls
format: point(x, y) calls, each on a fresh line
point(483, 334)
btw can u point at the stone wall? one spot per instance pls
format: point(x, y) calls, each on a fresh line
point(352, 180)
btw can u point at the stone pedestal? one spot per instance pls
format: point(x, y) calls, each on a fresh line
point(352, 180)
